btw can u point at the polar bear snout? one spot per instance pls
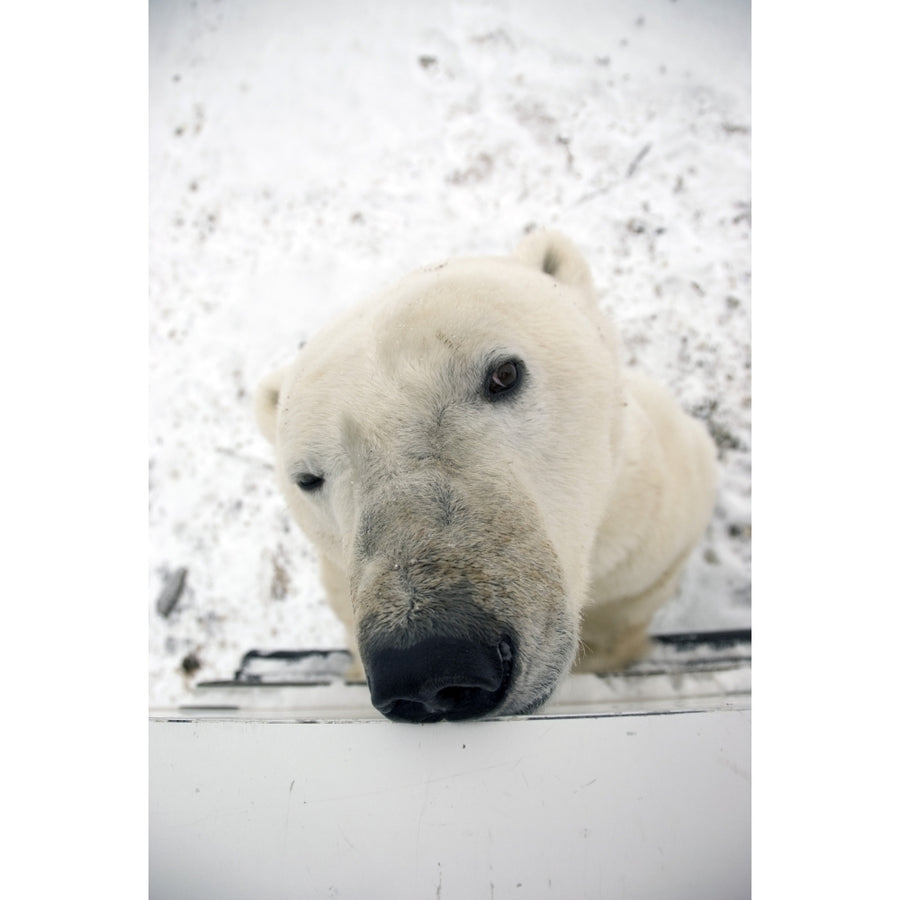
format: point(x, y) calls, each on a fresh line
point(440, 678)
point(457, 616)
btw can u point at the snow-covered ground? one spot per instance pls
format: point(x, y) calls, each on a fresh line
point(304, 155)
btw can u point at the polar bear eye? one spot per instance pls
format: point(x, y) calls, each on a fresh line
point(306, 481)
point(503, 379)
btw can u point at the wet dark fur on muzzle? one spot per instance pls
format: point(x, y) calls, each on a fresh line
point(439, 587)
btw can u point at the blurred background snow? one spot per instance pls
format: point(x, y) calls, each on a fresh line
point(304, 155)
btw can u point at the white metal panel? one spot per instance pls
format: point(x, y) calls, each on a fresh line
point(614, 806)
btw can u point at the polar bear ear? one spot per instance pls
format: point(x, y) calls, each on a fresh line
point(555, 255)
point(265, 404)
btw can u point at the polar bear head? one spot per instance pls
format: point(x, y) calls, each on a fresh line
point(450, 447)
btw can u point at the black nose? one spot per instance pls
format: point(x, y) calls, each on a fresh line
point(439, 678)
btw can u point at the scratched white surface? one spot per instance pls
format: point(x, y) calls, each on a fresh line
point(585, 807)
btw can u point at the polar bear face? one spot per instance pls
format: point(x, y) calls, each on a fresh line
point(450, 447)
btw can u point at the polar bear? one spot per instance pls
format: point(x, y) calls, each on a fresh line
point(492, 495)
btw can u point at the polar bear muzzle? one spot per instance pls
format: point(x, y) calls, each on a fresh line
point(457, 593)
